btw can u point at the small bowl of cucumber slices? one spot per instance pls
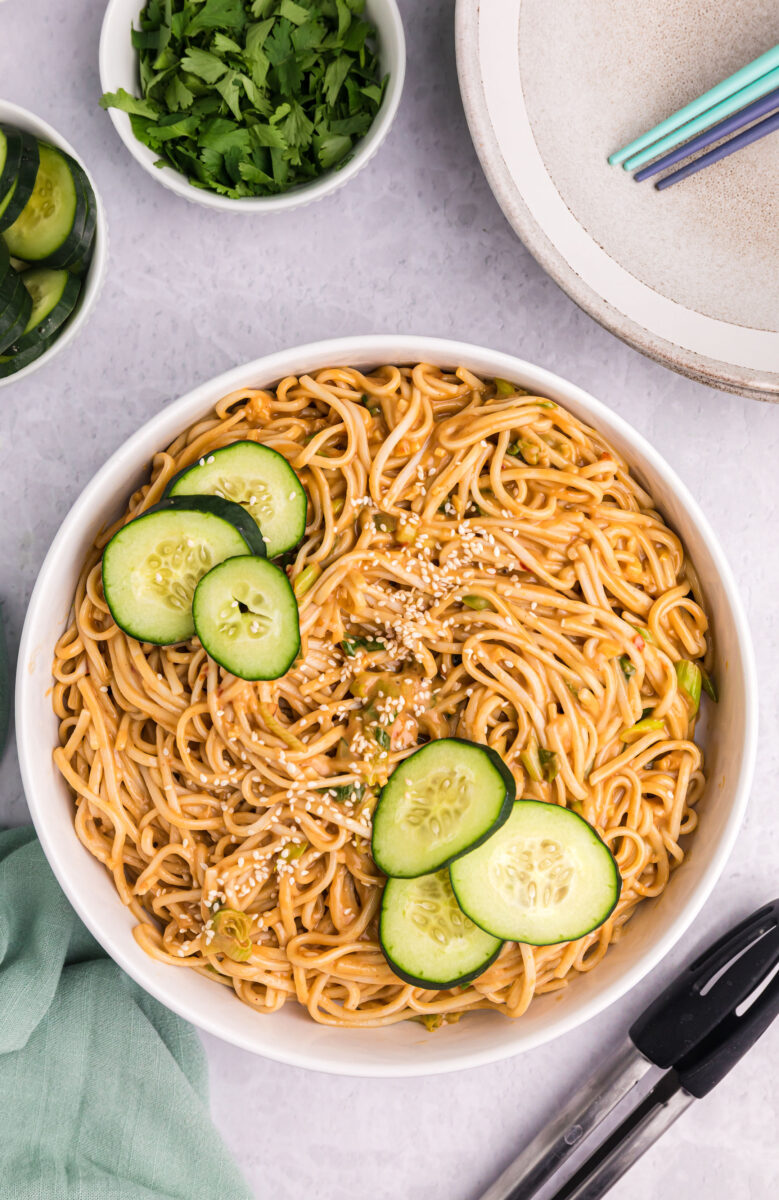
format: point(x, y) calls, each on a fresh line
point(52, 242)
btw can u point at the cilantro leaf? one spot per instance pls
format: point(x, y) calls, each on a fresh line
point(202, 63)
point(129, 104)
point(218, 14)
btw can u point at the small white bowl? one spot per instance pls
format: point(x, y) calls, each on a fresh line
point(119, 69)
point(12, 114)
point(404, 1049)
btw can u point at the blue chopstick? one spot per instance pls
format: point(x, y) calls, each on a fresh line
point(750, 135)
point(759, 108)
point(734, 83)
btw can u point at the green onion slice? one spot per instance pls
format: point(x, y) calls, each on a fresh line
point(645, 725)
point(689, 677)
point(479, 603)
point(232, 931)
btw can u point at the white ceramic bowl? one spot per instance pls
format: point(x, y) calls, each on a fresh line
point(12, 114)
point(404, 1049)
point(119, 68)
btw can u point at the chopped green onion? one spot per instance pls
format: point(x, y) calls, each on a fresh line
point(708, 685)
point(349, 791)
point(627, 666)
point(304, 582)
point(293, 850)
point(382, 737)
point(232, 931)
point(350, 646)
point(504, 388)
point(384, 522)
point(547, 404)
point(549, 764)
point(524, 449)
point(645, 725)
point(574, 691)
point(431, 1021)
point(338, 506)
point(531, 761)
point(689, 677)
point(477, 602)
point(646, 635)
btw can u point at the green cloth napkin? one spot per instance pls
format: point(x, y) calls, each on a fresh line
point(103, 1092)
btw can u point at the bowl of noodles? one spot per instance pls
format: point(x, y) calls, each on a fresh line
point(435, 473)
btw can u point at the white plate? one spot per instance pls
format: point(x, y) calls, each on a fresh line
point(690, 276)
point(404, 1049)
point(22, 118)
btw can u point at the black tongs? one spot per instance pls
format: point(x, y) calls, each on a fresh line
point(695, 1031)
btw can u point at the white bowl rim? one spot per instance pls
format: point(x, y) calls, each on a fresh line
point(306, 193)
point(95, 275)
point(384, 348)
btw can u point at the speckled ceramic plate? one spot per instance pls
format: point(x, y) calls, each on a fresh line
point(689, 276)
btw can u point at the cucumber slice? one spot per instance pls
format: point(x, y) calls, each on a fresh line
point(10, 156)
point(15, 303)
point(53, 295)
point(152, 565)
point(439, 802)
point(14, 200)
point(13, 362)
point(427, 939)
point(76, 251)
point(225, 509)
point(544, 877)
point(259, 479)
point(246, 617)
point(51, 216)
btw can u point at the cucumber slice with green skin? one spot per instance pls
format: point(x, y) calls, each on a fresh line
point(10, 156)
point(11, 363)
point(427, 939)
point(544, 877)
point(51, 218)
point(152, 566)
point(14, 200)
point(53, 295)
point(438, 803)
point(15, 309)
point(257, 478)
point(246, 617)
point(76, 252)
point(218, 507)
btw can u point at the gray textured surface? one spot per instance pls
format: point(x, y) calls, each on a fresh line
point(416, 243)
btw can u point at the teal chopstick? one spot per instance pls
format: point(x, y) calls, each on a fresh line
point(734, 83)
point(735, 102)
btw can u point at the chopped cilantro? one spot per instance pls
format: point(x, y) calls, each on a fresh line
point(252, 97)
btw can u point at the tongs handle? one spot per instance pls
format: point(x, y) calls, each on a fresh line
point(704, 998)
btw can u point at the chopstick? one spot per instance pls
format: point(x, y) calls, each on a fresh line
point(738, 100)
point(747, 115)
point(746, 138)
point(734, 83)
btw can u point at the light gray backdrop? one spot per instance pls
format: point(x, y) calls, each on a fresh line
point(416, 244)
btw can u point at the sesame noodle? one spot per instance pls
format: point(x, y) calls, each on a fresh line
point(497, 560)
